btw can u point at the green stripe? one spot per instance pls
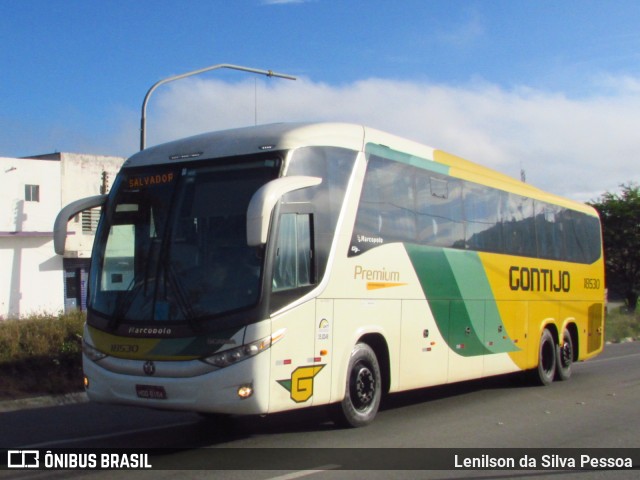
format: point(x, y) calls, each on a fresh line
point(424, 163)
point(461, 300)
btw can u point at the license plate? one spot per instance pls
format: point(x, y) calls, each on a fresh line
point(152, 392)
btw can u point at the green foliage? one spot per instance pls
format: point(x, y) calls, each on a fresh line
point(621, 327)
point(620, 216)
point(41, 354)
point(41, 335)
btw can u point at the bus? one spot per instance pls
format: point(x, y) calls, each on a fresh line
point(277, 267)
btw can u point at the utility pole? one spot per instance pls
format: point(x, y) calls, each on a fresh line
point(104, 187)
point(143, 118)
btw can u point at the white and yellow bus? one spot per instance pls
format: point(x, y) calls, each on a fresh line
point(278, 267)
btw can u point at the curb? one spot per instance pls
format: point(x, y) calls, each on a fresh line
point(41, 402)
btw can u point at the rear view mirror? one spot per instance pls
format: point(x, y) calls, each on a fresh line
point(71, 210)
point(265, 199)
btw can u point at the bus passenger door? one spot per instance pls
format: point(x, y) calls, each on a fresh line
point(293, 358)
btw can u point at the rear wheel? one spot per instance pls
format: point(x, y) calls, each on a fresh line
point(564, 357)
point(362, 391)
point(546, 370)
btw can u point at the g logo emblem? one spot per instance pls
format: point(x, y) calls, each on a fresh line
point(301, 383)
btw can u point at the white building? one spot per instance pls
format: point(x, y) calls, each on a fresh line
point(32, 192)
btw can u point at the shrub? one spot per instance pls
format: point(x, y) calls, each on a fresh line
point(41, 335)
point(41, 354)
point(620, 326)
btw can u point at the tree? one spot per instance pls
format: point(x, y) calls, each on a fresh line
point(620, 216)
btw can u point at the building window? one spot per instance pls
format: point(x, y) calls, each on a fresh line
point(90, 220)
point(32, 193)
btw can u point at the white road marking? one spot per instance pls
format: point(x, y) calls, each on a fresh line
point(304, 473)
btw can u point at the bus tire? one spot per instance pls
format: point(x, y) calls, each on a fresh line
point(363, 389)
point(564, 357)
point(547, 359)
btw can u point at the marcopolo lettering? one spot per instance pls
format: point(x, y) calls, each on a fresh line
point(149, 331)
point(539, 279)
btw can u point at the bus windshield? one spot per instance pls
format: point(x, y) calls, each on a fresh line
point(172, 246)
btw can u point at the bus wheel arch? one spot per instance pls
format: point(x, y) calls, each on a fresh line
point(379, 346)
point(364, 384)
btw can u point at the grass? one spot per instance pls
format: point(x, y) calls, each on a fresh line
point(621, 327)
point(41, 354)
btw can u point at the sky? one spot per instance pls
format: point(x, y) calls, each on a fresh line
point(551, 87)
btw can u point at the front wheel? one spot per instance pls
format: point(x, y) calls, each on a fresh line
point(363, 389)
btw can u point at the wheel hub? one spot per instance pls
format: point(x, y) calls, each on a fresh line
point(566, 355)
point(365, 386)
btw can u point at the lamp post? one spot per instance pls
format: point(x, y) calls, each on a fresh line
point(143, 118)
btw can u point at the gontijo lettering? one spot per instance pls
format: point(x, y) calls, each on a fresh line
point(539, 279)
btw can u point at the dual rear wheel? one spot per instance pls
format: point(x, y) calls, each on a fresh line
point(554, 360)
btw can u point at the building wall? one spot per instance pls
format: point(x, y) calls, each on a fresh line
point(32, 277)
point(19, 214)
point(82, 176)
point(30, 271)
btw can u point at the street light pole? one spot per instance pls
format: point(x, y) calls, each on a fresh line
point(143, 118)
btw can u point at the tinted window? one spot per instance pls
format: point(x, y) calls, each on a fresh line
point(439, 210)
point(334, 166)
point(481, 213)
point(403, 203)
point(518, 225)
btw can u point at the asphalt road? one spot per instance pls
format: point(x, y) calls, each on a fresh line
point(597, 408)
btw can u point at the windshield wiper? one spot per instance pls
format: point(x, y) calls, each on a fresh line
point(136, 287)
point(183, 304)
point(125, 299)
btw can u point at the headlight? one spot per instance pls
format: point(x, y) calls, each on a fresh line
point(235, 355)
point(92, 352)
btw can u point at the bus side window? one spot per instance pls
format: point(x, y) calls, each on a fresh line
point(293, 265)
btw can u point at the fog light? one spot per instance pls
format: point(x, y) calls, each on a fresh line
point(86, 382)
point(245, 391)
